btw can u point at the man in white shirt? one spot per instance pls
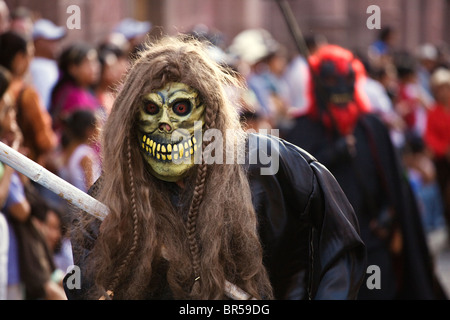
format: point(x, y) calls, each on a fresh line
point(44, 68)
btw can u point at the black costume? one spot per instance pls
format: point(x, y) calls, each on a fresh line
point(308, 229)
point(376, 186)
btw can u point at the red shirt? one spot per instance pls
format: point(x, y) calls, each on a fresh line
point(437, 133)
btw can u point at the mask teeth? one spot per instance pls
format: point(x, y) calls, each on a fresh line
point(341, 98)
point(168, 152)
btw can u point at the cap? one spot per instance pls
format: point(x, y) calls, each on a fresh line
point(440, 76)
point(131, 28)
point(427, 52)
point(253, 45)
point(46, 29)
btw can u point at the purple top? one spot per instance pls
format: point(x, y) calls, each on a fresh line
point(71, 98)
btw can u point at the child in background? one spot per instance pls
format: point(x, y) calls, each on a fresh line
point(80, 164)
point(424, 183)
point(51, 224)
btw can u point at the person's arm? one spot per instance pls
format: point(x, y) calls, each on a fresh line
point(17, 204)
point(5, 180)
point(86, 163)
point(20, 210)
point(12, 137)
point(54, 291)
point(37, 117)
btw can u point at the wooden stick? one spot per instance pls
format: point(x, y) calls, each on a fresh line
point(234, 292)
point(47, 179)
point(75, 196)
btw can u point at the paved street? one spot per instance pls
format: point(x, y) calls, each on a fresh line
point(439, 244)
point(443, 269)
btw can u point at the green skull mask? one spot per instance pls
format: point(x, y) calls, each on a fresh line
point(168, 119)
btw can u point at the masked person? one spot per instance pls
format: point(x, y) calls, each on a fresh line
point(340, 130)
point(183, 230)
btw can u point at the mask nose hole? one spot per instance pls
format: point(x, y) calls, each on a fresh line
point(165, 127)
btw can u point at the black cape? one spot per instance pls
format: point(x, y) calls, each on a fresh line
point(376, 185)
point(308, 229)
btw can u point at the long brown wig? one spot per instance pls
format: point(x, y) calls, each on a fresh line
point(212, 235)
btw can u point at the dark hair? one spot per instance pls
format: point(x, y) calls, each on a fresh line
point(11, 43)
point(385, 33)
point(74, 54)
point(5, 80)
point(79, 122)
point(105, 50)
point(405, 64)
point(414, 143)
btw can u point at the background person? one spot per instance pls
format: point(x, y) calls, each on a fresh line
point(32, 117)
point(80, 71)
point(44, 68)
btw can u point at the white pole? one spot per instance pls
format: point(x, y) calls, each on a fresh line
point(47, 179)
point(75, 196)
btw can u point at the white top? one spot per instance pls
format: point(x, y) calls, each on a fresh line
point(44, 73)
point(4, 245)
point(73, 173)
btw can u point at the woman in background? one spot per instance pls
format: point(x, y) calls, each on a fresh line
point(79, 69)
point(80, 164)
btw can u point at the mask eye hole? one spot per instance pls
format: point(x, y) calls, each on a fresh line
point(151, 107)
point(182, 107)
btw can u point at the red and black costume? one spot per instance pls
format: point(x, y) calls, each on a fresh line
point(341, 132)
